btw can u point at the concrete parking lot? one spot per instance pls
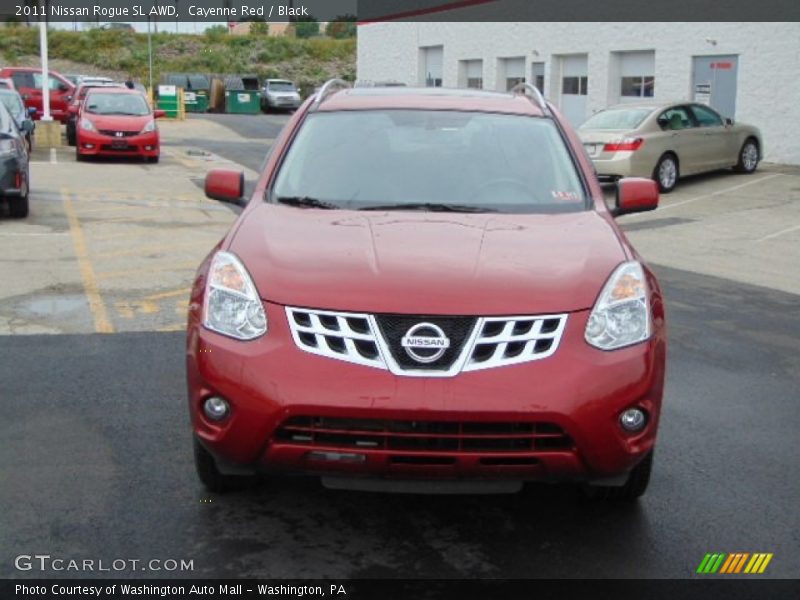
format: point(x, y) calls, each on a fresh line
point(95, 457)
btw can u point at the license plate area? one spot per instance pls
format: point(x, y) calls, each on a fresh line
point(119, 145)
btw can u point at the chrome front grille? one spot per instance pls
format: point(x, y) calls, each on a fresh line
point(375, 340)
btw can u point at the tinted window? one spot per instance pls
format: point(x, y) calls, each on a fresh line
point(706, 117)
point(22, 79)
point(281, 86)
point(624, 118)
point(675, 119)
point(12, 102)
point(507, 163)
point(117, 104)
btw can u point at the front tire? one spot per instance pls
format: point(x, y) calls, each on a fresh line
point(666, 173)
point(152, 159)
point(210, 475)
point(748, 157)
point(634, 488)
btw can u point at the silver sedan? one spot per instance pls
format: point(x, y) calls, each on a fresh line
point(667, 141)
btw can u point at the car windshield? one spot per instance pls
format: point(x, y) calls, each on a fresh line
point(622, 118)
point(13, 103)
point(117, 104)
point(435, 160)
point(281, 86)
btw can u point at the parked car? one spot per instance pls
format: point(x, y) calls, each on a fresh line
point(14, 165)
point(28, 82)
point(6, 84)
point(76, 102)
point(427, 285)
point(667, 141)
point(117, 122)
point(22, 115)
point(280, 94)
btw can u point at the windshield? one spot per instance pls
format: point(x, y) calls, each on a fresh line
point(623, 118)
point(391, 158)
point(12, 102)
point(117, 104)
point(281, 86)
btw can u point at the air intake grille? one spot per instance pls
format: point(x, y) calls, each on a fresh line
point(424, 345)
point(422, 436)
point(114, 133)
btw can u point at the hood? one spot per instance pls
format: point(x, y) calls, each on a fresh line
point(118, 122)
point(427, 263)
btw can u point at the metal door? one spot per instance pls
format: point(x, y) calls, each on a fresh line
point(714, 82)
point(574, 88)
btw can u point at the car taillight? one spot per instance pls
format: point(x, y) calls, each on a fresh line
point(626, 145)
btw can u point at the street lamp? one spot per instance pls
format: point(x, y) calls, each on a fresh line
point(45, 67)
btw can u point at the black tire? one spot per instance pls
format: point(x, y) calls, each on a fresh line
point(749, 156)
point(634, 488)
point(661, 174)
point(210, 476)
point(18, 207)
point(152, 159)
point(71, 136)
point(79, 157)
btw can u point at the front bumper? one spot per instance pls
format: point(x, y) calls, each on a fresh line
point(274, 387)
point(90, 143)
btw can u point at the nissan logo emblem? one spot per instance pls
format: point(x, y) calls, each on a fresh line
point(425, 342)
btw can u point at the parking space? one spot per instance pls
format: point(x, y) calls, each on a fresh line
point(97, 459)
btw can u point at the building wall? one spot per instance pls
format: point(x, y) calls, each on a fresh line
point(768, 79)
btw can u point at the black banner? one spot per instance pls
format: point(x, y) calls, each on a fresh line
point(390, 589)
point(120, 11)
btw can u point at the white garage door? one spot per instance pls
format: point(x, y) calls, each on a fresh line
point(513, 71)
point(574, 84)
point(432, 61)
point(637, 76)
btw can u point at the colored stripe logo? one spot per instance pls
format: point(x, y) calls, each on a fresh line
point(736, 563)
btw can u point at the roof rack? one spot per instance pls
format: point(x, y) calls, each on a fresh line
point(533, 93)
point(329, 87)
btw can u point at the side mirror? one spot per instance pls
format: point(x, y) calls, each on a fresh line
point(225, 185)
point(635, 194)
point(63, 87)
point(728, 122)
point(159, 113)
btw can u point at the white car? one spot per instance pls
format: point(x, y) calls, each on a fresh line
point(280, 94)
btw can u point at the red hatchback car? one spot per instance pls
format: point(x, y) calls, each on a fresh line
point(427, 292)
point(117, 122)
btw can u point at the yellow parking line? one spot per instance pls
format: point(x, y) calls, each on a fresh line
point(186, 266)
point(102, 324)
point(172, 294)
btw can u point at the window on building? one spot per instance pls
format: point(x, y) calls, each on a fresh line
point(638, 87)
point(537, 75)
point(575, 85)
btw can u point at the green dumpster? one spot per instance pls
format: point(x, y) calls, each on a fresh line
point(169, 100)
point(242, 102)
point(196, 102)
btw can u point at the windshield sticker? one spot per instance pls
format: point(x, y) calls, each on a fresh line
point(562, 195)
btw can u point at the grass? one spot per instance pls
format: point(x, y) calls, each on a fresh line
point(308, 62)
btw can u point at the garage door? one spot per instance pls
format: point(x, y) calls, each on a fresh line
point(513, 70)
point(714, 82)
point(432, 61)
point(574, 84)
point(637, 76)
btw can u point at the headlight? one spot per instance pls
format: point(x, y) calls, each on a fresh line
point(87, 125)
point(621, 316)
point(232, 304)
point(151, 126)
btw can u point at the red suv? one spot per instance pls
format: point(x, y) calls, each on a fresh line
point(29, 83)
point(427, 292)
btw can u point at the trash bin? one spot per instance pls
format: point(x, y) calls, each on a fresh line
point(169, 100)
point(196, 102)
point(239, 99)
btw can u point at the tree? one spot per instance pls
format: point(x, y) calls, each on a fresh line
point(306, 27)
point(342, 27)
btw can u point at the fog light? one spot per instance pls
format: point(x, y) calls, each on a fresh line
point(633, 419)
point(88, 146)
point(216, 408)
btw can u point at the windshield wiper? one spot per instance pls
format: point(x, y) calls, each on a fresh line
point(305, 202)
point(432, 207)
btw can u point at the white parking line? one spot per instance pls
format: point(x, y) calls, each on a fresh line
point(709, 195)
point(778, 233)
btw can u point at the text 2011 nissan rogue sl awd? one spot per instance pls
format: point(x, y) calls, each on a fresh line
point(427, 292)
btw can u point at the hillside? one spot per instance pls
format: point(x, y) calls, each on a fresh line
point(116, 54)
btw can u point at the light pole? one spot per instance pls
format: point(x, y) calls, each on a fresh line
point(45, 67)
point(150, 56)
